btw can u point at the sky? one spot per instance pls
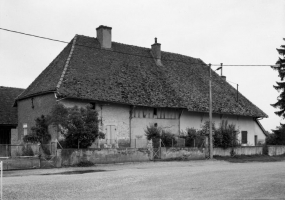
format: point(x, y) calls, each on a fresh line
point(232, 32)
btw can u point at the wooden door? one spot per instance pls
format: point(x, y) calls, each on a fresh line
point(111, 134)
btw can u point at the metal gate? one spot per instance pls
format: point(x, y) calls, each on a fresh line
point(156, 150)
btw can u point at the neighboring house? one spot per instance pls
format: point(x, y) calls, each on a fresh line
point(132, 87)
point(8, 114)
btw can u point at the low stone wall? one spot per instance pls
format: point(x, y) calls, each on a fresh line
point(182, 153)
point(244, 150)
point(275, 150)
point(69, 157)
point(21, 163)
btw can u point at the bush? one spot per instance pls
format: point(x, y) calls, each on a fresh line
point(156, 133)
point(168, 139)
point(226, 135)
point(193, 137)
point(152, 132)
point(39, 131)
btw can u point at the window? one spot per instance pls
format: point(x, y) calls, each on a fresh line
point(93, 106)
point(25, 127)
point(255, 140)
point(155, 111)
point(244, 137)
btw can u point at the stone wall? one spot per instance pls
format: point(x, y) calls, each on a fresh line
point(245, 150)
point(69, 157)
point(182, 153)
point(276, 150)
point(21, 163)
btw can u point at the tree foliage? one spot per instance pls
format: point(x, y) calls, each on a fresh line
point(40, 132)
point(280, 87)
point(278, 136)
point(79, 126)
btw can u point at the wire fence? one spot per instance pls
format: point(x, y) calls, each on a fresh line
point(180, 142)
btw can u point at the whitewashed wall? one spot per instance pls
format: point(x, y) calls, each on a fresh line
point(196, 120)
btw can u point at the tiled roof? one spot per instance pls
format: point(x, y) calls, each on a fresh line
point(106, 75)
point(8, 114)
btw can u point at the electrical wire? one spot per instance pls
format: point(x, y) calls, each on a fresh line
point(139, 55)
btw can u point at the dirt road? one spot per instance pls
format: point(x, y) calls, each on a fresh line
point(159, 180)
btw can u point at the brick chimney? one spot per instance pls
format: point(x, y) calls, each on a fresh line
point(156, 52)
point(224, 78)
point(104, 36)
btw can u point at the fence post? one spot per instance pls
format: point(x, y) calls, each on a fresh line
point(172, 142)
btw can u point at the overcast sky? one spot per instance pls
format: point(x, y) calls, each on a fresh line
point(220, 31)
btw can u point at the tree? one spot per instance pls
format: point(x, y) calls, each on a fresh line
point(40, 132)
point(278, 136)
point(79, 126)
point(279, 133)
point(280, 67)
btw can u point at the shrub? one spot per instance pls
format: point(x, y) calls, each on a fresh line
point(39, 131)
point(152, 132)
point(226, 135)
point(155, 133)
point(168, 139)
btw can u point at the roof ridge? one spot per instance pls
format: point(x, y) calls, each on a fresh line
point(67, 62)
point(145, 48)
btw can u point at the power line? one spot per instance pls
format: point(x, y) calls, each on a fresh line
point(55, 40)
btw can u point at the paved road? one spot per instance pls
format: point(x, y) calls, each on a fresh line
point(159, 180)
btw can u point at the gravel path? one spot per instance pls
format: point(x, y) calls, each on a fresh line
point(153, 180)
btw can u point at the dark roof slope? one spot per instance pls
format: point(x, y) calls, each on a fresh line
point(117, 75)
point(8, 114)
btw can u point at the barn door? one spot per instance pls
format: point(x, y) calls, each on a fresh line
point(5, 135)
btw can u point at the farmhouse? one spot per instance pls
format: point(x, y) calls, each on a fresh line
point(132, 87)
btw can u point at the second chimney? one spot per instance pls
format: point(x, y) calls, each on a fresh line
point(104, 36)
point(156, 52)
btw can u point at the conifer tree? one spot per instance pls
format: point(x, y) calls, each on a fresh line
point(280, 87)
point(278, 136)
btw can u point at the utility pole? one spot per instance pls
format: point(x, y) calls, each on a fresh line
point(210, 116)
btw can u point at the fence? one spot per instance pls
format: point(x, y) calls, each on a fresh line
point(183, 142)
point(121, 143)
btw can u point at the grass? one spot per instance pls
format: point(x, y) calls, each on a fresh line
point(251, 158)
